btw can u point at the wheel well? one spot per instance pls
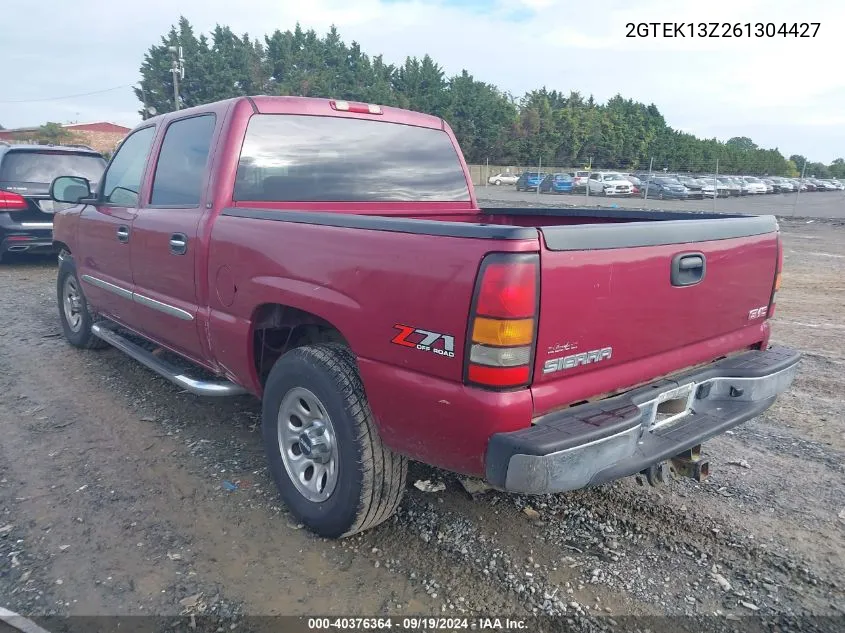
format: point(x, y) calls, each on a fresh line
point(278, 328)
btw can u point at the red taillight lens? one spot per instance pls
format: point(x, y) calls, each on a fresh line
point(503, 321)
point(499, 376)
point(508, 290)
point(10, 201)
point(776, 285)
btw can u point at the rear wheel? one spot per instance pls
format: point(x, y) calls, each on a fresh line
point(322, 444)
point(74, 313)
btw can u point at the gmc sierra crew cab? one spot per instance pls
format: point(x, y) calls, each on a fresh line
point(330, 258)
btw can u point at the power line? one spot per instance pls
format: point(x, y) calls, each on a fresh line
point(82, 94)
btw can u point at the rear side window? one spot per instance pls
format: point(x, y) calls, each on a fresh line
point(44, 167)
point(181, 163)
point(300, 158)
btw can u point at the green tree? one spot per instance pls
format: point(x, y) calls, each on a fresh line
point(546, 125)
point(52, 133)
point(742, 143)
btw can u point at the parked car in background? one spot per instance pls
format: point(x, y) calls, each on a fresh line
point(731, 185)
point(693, 185)
point(808, 185)
point(580, 179)
point(755, 186)
point(529, 180)
point(721, 187)
point(557, 183)
point(708, 190)
point(782, 185)
point(664, 187)
point(505, 178)
point(744, 189)
point(826, 185)
point(26, 210)
point(609, 183)
point(770, 185)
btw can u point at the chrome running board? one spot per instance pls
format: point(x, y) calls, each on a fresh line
point(165, 369)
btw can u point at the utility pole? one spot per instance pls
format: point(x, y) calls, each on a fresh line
point(144, 100)
point(798, 193)
point(716, 185)
point(178, 70)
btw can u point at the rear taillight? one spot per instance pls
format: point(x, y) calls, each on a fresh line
point(503, 321)
point(10, 201)
point(776, 285)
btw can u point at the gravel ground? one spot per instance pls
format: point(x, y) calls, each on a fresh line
point(122, 496)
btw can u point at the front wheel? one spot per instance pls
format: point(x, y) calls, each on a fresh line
point(322, 444)
point(74, 313)
point(497, 183)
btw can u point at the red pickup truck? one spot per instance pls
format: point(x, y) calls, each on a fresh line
point(330, 258)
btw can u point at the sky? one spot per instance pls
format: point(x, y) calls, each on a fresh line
point(787, 93)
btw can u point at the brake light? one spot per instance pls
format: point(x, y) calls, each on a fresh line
point(503, 321)
point(360, 108)
point(776, 285)
point(10, 201)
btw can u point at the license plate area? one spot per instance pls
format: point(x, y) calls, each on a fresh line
point(670, 406)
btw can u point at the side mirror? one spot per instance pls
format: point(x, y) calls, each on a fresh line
point(70, 189)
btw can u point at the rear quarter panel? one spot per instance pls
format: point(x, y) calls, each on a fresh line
point(364, 282)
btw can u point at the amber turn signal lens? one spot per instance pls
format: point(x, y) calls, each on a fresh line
point(503, 333)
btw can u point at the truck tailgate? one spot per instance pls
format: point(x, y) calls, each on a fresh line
point(652, 297)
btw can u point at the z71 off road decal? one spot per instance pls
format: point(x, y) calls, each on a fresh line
point(425, 340)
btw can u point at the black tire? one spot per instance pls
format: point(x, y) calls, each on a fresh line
point(370, 477)
point(497, 182)
point(78, 334)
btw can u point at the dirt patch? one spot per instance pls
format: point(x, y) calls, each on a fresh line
point(126, 496)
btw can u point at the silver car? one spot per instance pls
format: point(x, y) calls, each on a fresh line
point(505, 178)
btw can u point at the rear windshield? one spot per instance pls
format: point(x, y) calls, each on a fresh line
point(300, 158)
point(44, 167)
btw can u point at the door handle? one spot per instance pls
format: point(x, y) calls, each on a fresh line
point(123, 233)
point(688, 269)
point(178, 244)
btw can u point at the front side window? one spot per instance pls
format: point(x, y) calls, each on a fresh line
point(123, 177)
point(180, 171)
point(301, 158)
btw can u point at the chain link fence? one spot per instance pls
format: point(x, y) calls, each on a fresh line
point(702, 187)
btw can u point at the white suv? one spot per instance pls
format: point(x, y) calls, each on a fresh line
point(609, 183)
